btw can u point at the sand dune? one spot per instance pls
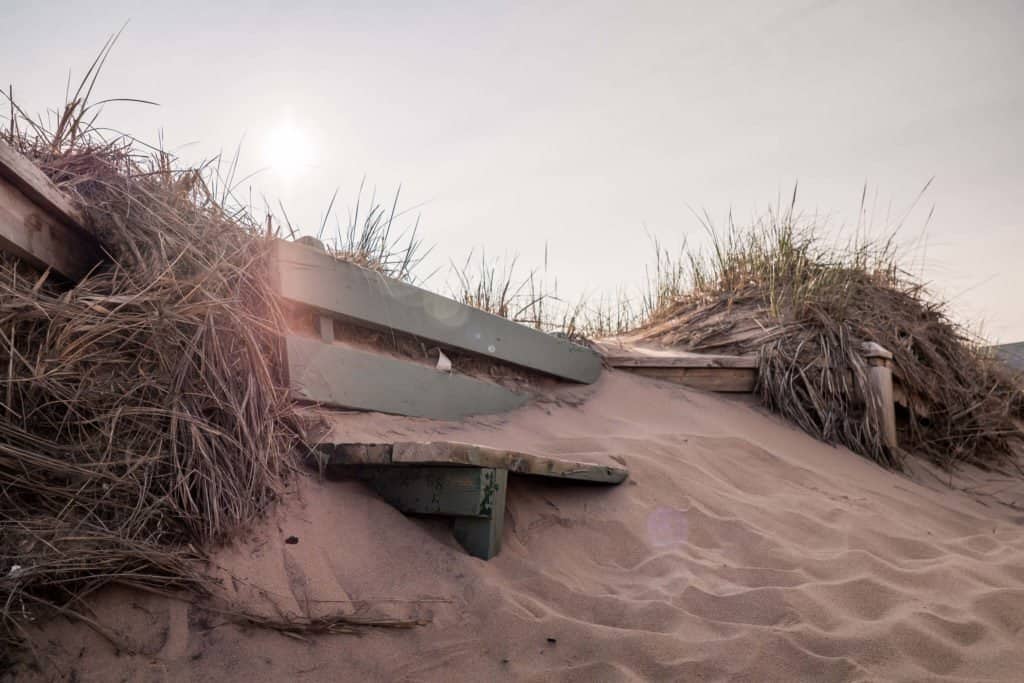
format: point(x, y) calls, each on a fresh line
point(739, 549)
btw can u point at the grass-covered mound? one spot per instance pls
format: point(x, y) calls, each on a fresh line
point(144, 417)
point(805, 306)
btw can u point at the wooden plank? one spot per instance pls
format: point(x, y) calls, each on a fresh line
point(326, 325)
point(727, 380)
point(453, 453)
point(475, 496)
point(358, 454)
point(33, 183)
point(448, 452)
point(687, 361)
point(31, 233)
point(351, 378)
point(312, 278)
point(619, 354)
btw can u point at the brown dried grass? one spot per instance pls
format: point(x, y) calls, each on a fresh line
point(779, 290)
point(143, 416)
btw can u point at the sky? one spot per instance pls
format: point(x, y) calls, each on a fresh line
point(577, 132)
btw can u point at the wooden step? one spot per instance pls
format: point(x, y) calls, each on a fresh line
point(456, 453)
point(461, 480)
point(710, 372)
point(347, 377)
point(315, 279)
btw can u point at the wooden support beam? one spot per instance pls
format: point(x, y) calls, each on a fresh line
point(475, 496)
point(450, 453)
point(346, 377)
point(728, 380)
point(689, 361)
point(315, 279)
point(431, 490)
point(450, 478)
point(707, 371)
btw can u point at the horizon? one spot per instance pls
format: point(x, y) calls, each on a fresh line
point(583, 139)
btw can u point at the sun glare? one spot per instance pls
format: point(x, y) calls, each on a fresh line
point(288, 149)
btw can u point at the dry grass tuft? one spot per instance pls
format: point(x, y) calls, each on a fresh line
point(779, 290)
point(143, 417)
point(142, 414)
point(497, 287)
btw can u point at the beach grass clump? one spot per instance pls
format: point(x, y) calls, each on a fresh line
point(144, 412)
point(143, 416)
point(805, 305)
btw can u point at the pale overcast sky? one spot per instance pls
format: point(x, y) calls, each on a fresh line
point(585, 126)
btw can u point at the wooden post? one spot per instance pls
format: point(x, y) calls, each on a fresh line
point(880, 374)
point(481, 536)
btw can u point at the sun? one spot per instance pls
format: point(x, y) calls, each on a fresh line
point(288, 149)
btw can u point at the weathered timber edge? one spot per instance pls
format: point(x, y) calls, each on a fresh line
point(346, 377)
point(315, 279)
point(721, 380)
point(38, 224)
point(454, 453)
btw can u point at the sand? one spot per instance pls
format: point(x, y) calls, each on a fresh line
point(740, 549)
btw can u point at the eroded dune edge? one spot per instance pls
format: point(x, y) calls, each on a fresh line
point(740, 548)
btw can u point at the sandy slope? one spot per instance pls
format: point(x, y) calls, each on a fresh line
point(740, 549)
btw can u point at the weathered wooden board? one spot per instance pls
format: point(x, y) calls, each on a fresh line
point(728, 380)
point(38, 224)
point(690, 361)
point(453, 453)
point(710, 372)
point(451, 478)
point(448, 452)
point(33, 183)
point(619, 354)
point(433, 490)
point(351, 378)
point(313, 278)
point(475, 496)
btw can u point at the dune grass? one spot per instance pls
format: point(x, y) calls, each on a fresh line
point(803, 299)
point(144, 417)
point(805, 305)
